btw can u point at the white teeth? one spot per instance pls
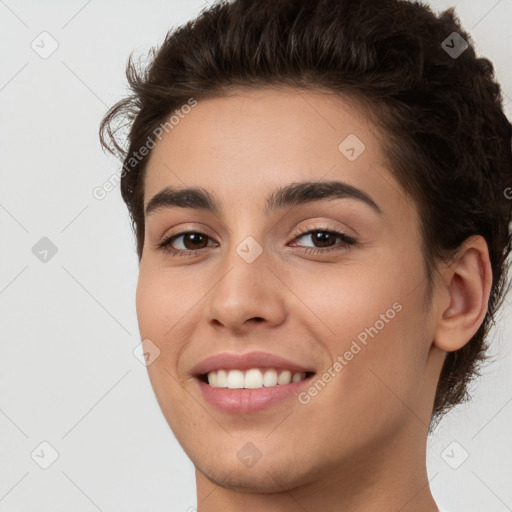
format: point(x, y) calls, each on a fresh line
point(252, 379)
point(212, 378)
point(297, 377)
point(235, 379)
point(221, 381)
point(285, 377)
point(270, 378)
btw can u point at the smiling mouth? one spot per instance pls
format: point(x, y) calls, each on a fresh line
point(254, 378)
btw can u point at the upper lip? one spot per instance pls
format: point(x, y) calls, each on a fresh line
point(246, 361)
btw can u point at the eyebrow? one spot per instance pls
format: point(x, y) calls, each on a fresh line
point(290, 195)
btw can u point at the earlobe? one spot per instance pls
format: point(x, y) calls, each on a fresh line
point(468, 280)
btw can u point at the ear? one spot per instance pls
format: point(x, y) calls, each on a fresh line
point(465, 288)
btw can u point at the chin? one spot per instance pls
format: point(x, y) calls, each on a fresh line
point(264, 477)
point(248, 480)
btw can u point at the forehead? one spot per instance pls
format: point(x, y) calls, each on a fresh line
point(252, 141)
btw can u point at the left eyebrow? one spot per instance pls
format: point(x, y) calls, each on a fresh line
point(289, 195)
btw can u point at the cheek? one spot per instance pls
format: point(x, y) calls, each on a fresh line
point(163, 302)
point(159, 309)
point(151, 305)
point(167, 304)
point(160, 306)
point(372, 322)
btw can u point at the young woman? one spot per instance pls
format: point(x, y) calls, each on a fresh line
point(319, 195)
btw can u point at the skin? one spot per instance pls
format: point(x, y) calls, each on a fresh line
point(360, 444)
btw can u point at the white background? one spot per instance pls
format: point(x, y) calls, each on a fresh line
point(68, 375)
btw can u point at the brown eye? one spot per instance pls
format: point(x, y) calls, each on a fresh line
point(192, 241)
point(324, 240)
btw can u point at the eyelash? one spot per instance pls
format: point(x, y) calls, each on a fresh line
point(347, 242)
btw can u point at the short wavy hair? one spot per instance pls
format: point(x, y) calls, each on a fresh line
point(444, 131)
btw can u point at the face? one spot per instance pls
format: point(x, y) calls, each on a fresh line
point(329, 279)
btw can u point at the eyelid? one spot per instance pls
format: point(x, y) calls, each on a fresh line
point(304, 230)
point(186, 228)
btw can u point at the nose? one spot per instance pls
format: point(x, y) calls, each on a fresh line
point(246, 295)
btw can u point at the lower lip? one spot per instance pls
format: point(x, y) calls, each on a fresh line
point(250, 400)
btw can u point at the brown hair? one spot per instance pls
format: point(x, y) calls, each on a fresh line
point(447, 138)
